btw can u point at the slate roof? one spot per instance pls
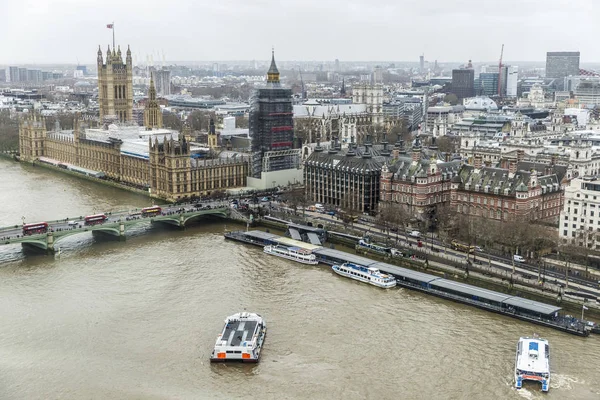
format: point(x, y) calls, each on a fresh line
point(354, 160)
point(498, 178)
point(403, 168)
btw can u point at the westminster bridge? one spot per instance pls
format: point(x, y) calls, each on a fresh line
point(116, 224)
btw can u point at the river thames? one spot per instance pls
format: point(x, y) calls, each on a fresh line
point(138, 319)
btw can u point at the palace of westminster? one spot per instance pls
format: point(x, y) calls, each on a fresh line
point(150, 157)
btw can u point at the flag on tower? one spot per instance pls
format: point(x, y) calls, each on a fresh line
point(585, 308)
point(109, 26)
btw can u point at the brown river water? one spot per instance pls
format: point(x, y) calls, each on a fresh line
point(138, 319)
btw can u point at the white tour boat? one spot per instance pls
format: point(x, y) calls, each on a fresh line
point(242, 338)
point(369, 275)
point(292, 253)
point(532, 362)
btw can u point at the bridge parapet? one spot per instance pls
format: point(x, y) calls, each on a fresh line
point(47, 241)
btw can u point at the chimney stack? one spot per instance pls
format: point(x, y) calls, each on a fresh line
point(477, 163)
point(512, 168)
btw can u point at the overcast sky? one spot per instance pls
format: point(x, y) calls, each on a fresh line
point(64, 31)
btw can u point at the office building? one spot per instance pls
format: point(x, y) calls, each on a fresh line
point(463, 83)
point(580, 217)
point(162, 80)
point(13, 74)
point(560, 64)
point(23, 75)
point(512, 80)
point(115, 87)
point(2, 75)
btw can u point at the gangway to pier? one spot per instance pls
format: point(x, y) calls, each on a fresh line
point(314, 239)
point(295, 234)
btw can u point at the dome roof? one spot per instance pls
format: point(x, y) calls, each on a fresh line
point(480, 103)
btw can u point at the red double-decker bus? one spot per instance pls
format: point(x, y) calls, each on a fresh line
point(94, 219)
point(32, 229)
point(151, 211)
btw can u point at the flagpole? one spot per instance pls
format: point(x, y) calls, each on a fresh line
point(113, 29)
point(582, 310)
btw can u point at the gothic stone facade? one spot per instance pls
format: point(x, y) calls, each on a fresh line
point(115, 85)
point(169, 172)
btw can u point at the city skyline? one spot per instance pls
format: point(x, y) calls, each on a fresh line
point(67, 31)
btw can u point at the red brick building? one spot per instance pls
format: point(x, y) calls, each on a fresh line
point(524, 190)
point(418, 181)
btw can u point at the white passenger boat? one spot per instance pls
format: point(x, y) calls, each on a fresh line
point(241, 340)
point(292, 253)
point(368, 275)
point(532, 362)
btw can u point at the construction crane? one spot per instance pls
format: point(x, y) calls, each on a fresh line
point(500, 72)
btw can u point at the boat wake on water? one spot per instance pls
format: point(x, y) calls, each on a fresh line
point(567, 382)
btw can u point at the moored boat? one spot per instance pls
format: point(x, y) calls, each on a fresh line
point(368, 275)
point(532, 362)
point(292, 253)
point(242, 338)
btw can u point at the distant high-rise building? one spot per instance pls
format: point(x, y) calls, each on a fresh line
point(2, 75)
point(162, 80)
point(512, 80)
point(463, 83)
point(422, 63)
point(271, 127)
point(34, 75)
point(337, 65)
point(83, 69)
point(115, 85)
point(23, 75)
point(560, 64)
point(377, 75)
point(13, 74)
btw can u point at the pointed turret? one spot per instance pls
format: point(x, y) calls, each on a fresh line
point(151, 89)
point(128, 56)
point(119, 54)
point(108, 55)
point(273, 73)
point(100, 59)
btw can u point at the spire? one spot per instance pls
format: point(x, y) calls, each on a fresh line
point(273, 73)
point(152, 89)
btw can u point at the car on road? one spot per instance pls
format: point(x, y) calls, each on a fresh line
point(73, 223)
point(518, 258)
point(478, 249)
point(415, 234)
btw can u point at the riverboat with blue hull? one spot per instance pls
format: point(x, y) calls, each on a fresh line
point(365, 274)
point(532, 362)
point(242, 339)
point(292, 253)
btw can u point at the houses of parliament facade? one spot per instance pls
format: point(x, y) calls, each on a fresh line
point(148, 157)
